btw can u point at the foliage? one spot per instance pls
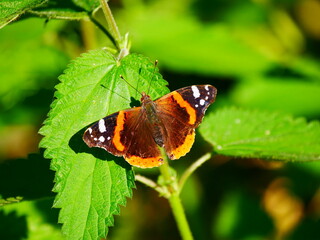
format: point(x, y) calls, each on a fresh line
point(96, 185)
point(254, 134)
point(11, 10)
point(260, 56)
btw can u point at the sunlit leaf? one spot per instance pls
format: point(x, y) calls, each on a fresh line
point(295, 96)
point(67, 9)
point(183, 44)
point(9, 200)
point(260, 134)
point(92, 184)
point(30, 220)
point(27, 63)
point(12, 9)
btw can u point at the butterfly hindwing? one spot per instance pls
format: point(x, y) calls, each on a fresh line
point(137, 136)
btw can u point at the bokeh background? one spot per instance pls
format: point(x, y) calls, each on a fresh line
point(260, 54)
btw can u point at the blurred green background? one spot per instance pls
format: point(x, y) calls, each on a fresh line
point(260, 54)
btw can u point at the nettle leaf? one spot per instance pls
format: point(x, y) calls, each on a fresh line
point(292, 95)
point(260, 134)
point(88, 5)
point(10, 10)
point(67, 9)
point(227, 60)
point(10, 200)
point(91, 184)
point(23, 68)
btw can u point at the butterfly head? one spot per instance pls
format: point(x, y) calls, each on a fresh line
point(145, 98)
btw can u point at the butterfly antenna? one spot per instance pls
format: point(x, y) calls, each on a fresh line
point(116, 93)
point(153, 74)
point(130, 85)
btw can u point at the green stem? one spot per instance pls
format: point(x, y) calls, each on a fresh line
point(165, 172)
point(122, 43)
point(111, 23)
point(180, 216)
point(148, 182)
point(192, 168)
point(174, 200)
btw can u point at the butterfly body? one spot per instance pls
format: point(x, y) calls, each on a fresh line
point(168, 122)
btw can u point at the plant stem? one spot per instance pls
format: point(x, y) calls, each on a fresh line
point(122, 43)
point(148, 182)
point(192, 168)
point(179, 215)
point(111, 23)
point(174, 200)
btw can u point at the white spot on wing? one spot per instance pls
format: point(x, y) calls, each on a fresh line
point(90, 130)
point(102, 139)
point(108, 138)
point(196, 92)
point(207, 97)
point(196, 105)
point(95, 139)
point(206, 87)
point(102, 126)
point(202, 102)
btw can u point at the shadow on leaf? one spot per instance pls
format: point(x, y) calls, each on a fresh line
point(78, 146)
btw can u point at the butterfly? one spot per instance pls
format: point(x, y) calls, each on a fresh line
point(168, 122)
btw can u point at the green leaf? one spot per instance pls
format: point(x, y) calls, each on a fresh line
point(260, 134)
point(91, 184)
point(28, 63)
point(308, 67)
point(235, 209)
point(88, 5)
point(10, 10)
point(211, 48)
point(30, 220)
point(53, 9)
point(10, 200)
point(290, 95)
point(67, 9)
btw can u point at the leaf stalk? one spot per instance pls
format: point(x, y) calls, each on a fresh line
point(193, 167)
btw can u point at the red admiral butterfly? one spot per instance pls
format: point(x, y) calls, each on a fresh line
point(168, 122)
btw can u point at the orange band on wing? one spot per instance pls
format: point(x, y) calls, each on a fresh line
point(190, 110)
point(184, 148)
point(119, 127)
point(144, 162)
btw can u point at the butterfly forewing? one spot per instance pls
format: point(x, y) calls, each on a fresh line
point(101, 134)
point(181, 112)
